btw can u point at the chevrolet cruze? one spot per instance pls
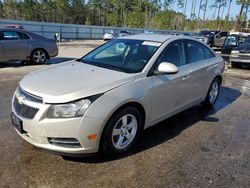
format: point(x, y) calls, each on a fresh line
point(105, 99)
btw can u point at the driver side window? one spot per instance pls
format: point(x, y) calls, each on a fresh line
point(173, 53)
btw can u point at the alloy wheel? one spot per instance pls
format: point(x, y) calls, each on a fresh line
point(214, 91)
point(124, 131)
point(39, 56)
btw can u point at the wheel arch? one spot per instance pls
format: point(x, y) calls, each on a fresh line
point(137, 105)
point(219, 77)
point(40, 48)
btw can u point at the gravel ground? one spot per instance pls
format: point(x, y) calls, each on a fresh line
point(196, 148)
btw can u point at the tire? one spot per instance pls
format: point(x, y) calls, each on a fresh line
point(235, 65)
point(121, 131)
point(38, 56)
point(213, 93)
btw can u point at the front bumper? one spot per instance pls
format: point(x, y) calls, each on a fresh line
point(40, 129)
point(240, 58)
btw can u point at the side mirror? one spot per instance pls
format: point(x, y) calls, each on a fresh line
point(166, 68)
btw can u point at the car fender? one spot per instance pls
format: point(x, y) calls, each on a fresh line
point(137, 91)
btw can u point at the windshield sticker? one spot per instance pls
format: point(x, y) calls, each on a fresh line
point(149, 43)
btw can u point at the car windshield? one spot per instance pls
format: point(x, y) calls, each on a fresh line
point(233, 41)
point(247, 42)
point(124, 55)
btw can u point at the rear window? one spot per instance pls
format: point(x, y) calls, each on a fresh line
point(14, 35)
point(197, 52)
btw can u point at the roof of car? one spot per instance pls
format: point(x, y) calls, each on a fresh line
point(10, 29)
point(149, 37)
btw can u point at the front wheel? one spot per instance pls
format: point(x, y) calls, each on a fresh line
point(121, 131)
point(213, 92)
point(38, 56)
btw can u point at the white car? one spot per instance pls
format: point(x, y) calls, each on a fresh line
point(104, 100)
point(109, 36)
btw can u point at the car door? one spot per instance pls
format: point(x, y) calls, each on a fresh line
point(1, 47)
point(16, 45)
point(220, 38)
point(170, 92)
point(202, 61)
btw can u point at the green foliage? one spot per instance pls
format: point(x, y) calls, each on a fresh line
point(150, 14)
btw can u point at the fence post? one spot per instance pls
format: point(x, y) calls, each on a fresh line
point(77, 35)
point(42, 31)
point(91, 33)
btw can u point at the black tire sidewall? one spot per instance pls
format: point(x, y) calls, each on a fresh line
point(106, 141)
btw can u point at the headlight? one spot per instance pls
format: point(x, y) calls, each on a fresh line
point(234, 52)
point(69, 110)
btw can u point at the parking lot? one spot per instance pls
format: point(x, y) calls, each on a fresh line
point(196, 148)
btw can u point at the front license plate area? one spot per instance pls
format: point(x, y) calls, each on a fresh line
point(17, 123)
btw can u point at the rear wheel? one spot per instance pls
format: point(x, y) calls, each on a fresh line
point(213, 92)
point(122, 131)
point(38, 56)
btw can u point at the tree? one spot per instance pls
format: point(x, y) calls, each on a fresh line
point(243, 3)
point(204, 7)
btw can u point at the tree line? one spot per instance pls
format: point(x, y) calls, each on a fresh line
point(149, 14)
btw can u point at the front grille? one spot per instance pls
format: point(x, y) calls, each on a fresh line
point(29, 96)
point(24, 110)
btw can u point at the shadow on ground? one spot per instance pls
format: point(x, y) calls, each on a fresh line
point(171, 127)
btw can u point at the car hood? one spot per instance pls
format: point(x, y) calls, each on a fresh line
point(243, 49)
point(71, 81)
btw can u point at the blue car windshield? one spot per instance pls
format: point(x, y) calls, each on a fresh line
point(247, 42)
point(125, 55)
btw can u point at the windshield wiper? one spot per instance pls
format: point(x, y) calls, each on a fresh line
point(81, 60)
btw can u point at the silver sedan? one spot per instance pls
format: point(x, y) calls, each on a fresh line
point(19, 45)
point(104, 100)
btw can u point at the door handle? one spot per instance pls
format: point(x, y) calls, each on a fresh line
point(186, 77)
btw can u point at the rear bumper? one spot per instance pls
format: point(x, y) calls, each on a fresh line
point(53, 53)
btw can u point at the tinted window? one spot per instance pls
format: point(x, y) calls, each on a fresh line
point(208, 53)
point(1, 36)
point(247, 42)
point(204, 33)
point(13, 35)
point(25, 36)
point(231, 41)
point(196, 52)
point(223, 34)
point(173, 53)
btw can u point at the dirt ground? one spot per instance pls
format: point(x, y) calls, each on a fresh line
point(196, 148)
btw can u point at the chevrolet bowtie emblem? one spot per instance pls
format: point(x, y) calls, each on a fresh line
point(20, 99)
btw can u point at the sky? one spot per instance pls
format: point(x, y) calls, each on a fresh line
point(211, 11)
